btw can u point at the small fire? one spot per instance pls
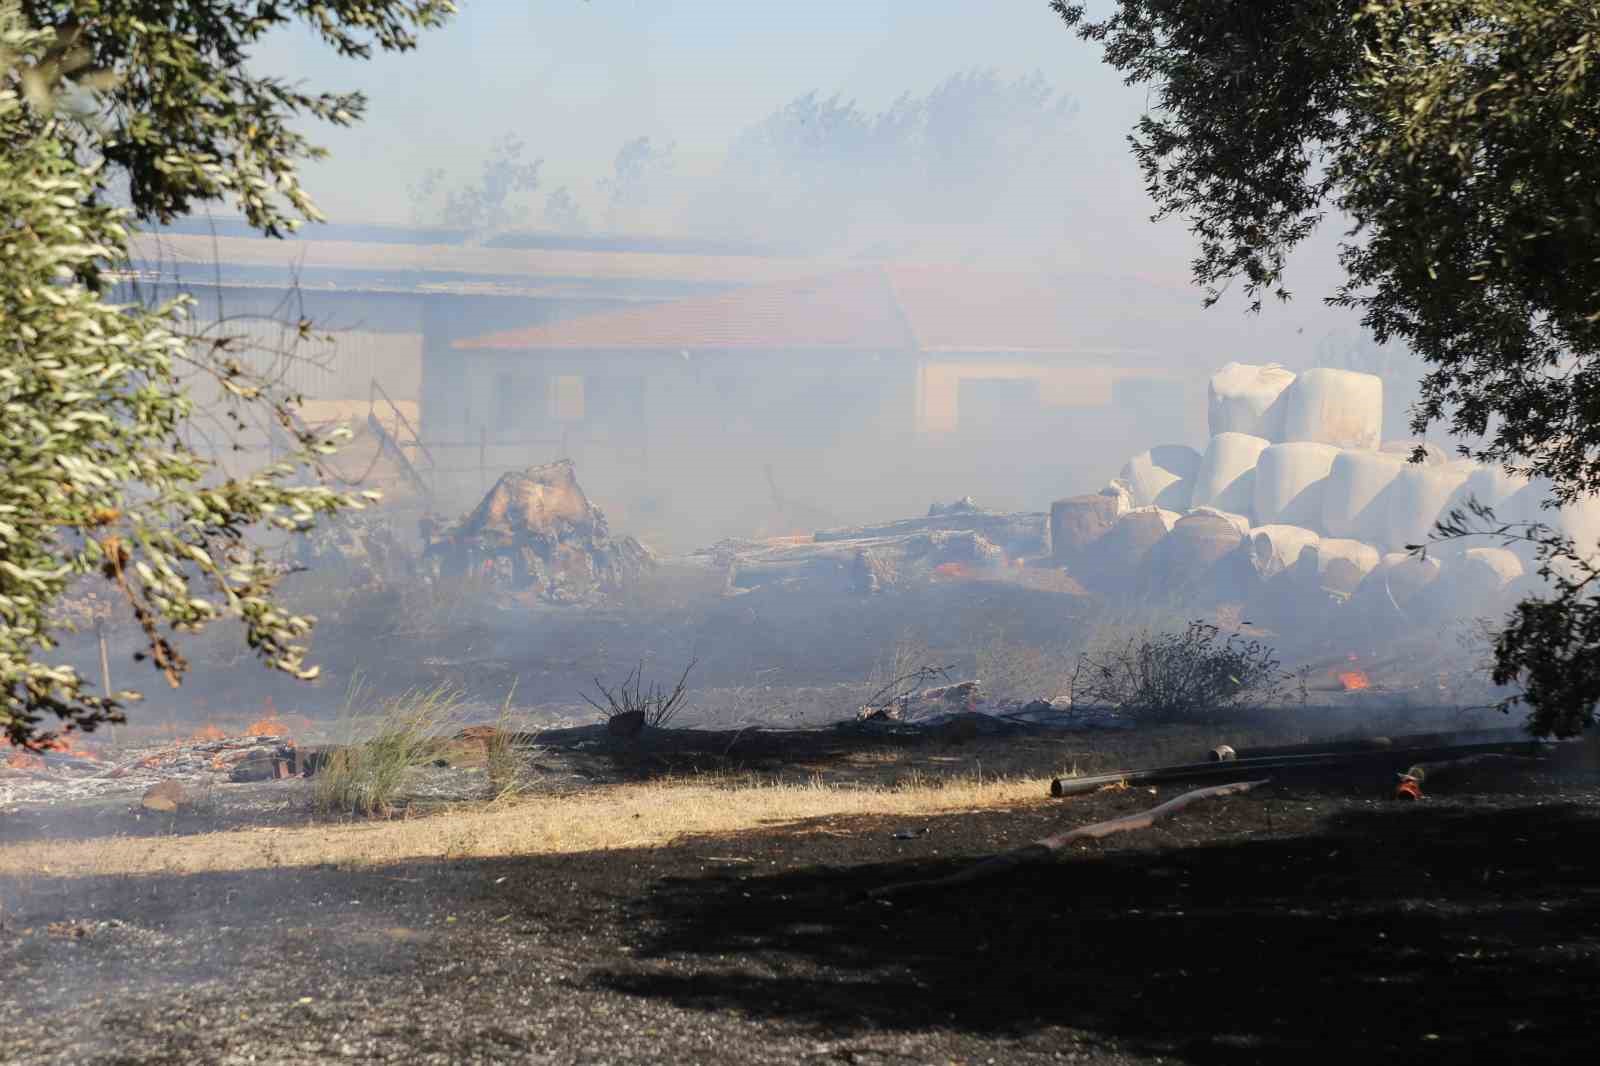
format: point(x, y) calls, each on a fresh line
point(207, 732)
point(63, 745)
point(1354, 681)
point(952, 570)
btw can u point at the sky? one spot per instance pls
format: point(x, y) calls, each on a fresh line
point(575, 79)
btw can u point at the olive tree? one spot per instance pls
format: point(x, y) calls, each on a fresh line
point(1459, 143)
point(96, 481)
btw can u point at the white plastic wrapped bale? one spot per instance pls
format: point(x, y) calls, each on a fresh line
point(1479, 579)
point(1238, 521)
point(1579, 520)
point(1274, 549)
point(1289, 483)
point(1227, 475)
point(1355, 500)
point(1474, 584)
point(1418, 498)
point(1161, 476)
point(1339, 407)
point(1117, 558)
point(1398, 579)
point(1336, 564)
point(1246, 398)
point(1490, 485)
point(1119, 490)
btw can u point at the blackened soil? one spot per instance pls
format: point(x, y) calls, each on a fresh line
point(1279, 926)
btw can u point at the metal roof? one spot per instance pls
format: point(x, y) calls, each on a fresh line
point(198, 259)
point(914, 308)
point(852, 310)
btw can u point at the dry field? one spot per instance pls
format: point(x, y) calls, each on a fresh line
point(615, 817)
point(656, 915)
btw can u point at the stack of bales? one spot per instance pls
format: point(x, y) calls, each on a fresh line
point(1297, 499)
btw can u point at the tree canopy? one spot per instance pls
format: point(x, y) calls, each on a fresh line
point(96, 480)
point(1461, 141)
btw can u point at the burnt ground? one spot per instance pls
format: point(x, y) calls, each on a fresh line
point(1317, 920)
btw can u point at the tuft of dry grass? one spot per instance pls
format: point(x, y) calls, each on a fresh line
point(382, 745)
point(630, 816)
point(505, 761)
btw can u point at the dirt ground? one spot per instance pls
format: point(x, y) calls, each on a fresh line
point(1309, 919)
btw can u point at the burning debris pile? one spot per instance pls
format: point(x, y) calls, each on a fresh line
point(161, 776)
point(1297, 504)
point(355, 549)
point(956, 539)
point(537, 534)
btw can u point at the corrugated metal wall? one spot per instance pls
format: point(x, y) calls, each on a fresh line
point(327, 365)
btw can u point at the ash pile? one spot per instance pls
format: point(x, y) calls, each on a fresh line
point(955, 540)
point(1299, 509)
point(962, 710)
point(160, 776)
point(537, 536)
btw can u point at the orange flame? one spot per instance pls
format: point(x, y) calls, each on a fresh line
point(65, 745)
point(952, 570)
point(207, 732)
point(1354, 681)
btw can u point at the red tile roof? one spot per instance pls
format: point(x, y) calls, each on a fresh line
point(876, 309)
point(854, 310)
point(952, 309)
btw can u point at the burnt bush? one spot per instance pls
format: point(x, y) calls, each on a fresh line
point(1196, 674)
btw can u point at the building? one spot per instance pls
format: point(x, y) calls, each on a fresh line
point(848, 395)
point(704, 389)
point(381, 299)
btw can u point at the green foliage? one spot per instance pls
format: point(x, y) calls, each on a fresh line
point(638, 165)
point(562, 213)
point(185, 117)
point(1461, 137)
point(490, 205)
point(1550, 646)
point(96, 480)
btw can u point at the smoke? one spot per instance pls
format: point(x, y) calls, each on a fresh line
point(976, 153)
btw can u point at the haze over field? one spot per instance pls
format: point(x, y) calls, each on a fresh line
point(782, 125)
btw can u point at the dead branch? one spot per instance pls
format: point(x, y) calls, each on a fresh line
point(654, 706)
point(1051, 846)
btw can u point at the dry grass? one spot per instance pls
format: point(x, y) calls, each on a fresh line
point(1014, 670)
point(382, 745)
point(628, 816)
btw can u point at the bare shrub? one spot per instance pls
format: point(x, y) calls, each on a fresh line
point(384, 744)
point(654, 707)
point(1195, 674)
point(905, 668)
